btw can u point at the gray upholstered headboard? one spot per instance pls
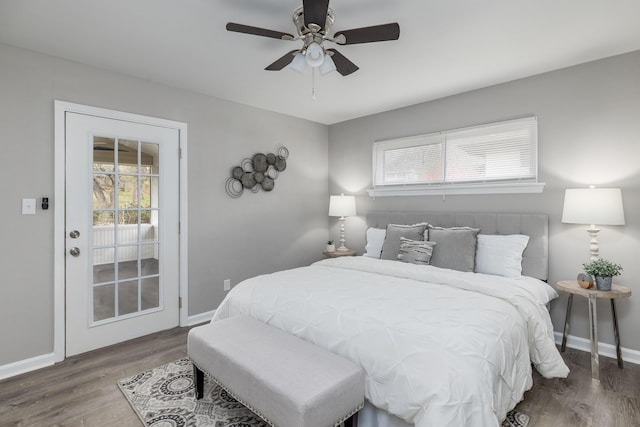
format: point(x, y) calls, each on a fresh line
point(535, 260)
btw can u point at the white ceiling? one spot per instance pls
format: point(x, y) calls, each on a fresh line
point(445, 46)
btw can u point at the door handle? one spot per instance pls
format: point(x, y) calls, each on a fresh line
point(74, 251)
point(74, 234)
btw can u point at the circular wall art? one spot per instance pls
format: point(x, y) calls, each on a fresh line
point(257, 173)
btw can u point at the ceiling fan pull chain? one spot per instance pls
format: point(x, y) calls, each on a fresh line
point(313, 83)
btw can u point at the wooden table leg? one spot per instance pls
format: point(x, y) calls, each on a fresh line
point(593, 334)
point(566, 323)
point(616, 333)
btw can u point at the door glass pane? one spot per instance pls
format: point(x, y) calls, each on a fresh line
point(149, 260)
point(103, 190)
point(104, 298)
point(148, 231)
point(127, 297)
point(103, 266)
point(103, 218)
point(149, 158)
point(145, 191)
point(127, 216)
point(150, 293)
point(127, 156)
point(127, 261)
point(126, 272)
point(103, 154)
point(128, 192)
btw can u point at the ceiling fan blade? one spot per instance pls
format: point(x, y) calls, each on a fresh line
point(343, 65)
point(315, 12)
point(283, 61)
point(256, 31)
point(375, 33)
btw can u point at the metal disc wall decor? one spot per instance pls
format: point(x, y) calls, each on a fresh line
point(234, 187)
point(272, 172)
point(257, 173)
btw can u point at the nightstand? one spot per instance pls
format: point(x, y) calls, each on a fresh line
point(593, 295)
point(337, 254)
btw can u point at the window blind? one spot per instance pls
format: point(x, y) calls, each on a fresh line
point(495, 152)
point(410, 160)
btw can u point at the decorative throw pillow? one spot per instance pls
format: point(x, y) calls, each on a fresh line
point(391, 245)
point(501, 255)
point(415, 251)
point(456, 248)
point(375, 239)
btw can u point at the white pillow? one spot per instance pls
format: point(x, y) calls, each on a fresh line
point(500, 255)
point(375, 240)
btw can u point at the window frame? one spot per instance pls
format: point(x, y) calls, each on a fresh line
point(444, 187)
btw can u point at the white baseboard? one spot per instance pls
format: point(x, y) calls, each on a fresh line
point(200, 318)
point(26, 365)
point(608, 350)
point(33, 363)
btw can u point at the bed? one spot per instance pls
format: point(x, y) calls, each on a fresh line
point(440, 346)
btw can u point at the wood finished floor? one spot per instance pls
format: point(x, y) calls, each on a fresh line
point(82, 390)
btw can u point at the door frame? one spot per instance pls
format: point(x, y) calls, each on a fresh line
point(59, 209)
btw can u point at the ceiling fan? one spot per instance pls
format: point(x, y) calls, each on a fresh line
point(313, 21)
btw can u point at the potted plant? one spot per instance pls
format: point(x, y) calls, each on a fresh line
point(603, 271)
point(330, 246)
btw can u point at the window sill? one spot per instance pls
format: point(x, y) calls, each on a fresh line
point(458, 189)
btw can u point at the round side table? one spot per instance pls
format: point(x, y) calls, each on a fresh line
point(593, 295)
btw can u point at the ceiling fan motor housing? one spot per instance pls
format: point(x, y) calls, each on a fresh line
point(298, 21)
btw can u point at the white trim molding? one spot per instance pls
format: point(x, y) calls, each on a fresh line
point(457, 189)
point(604, 349)
point(60, 110)
point(200, 318)
point(26, 365)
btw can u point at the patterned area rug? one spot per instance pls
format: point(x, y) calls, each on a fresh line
point(164, 397)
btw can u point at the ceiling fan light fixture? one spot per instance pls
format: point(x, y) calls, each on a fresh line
point(314, 55)
point(298, 64)
point(327, 66)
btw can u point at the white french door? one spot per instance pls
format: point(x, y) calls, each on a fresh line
point(121, 230)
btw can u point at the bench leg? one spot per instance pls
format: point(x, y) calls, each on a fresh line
point(198, 379)
point(352, 421)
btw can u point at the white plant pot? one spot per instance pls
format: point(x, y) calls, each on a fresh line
point(330, 248)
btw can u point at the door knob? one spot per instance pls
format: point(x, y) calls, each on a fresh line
point(74, 234)
point(74, 251)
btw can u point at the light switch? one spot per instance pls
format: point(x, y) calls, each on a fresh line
point(28, 206)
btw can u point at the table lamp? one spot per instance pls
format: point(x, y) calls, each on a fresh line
point(602, 206)
point(342, 206)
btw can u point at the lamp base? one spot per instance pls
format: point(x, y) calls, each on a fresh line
point(593, 243)
point(342, 247)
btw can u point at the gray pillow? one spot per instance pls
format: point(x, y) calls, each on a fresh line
point(415, 251)
point(456, 248)
point(391, 245)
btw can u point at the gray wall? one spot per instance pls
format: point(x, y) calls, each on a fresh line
point(589, 133)
point(235, 239)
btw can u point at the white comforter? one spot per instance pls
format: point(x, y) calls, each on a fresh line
point(439, 347)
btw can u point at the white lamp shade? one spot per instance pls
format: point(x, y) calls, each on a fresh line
point(314, 55)
point(298, 64)
point(342, 205)
point(602, 206)
point(327, 66)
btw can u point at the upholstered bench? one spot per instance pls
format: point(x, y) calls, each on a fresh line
point(286, 381)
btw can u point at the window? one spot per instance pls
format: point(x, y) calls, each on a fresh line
point(498, 157)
